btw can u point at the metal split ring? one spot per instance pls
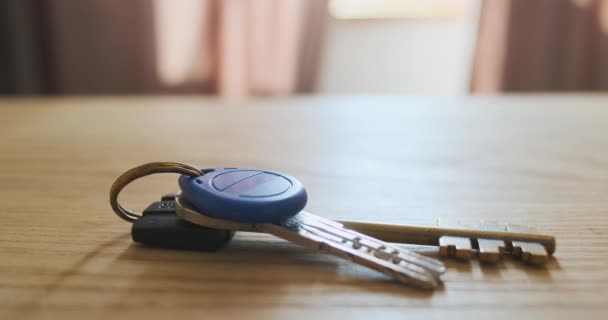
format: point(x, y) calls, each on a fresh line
point(142, 171)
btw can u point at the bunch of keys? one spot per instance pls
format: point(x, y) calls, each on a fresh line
point(214, 203)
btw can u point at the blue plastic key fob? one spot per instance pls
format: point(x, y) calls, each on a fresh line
point(244, 195)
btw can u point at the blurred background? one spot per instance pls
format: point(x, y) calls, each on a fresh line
point(240, 49)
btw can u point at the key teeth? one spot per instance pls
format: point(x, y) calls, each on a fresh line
point(491, 250)
point(448, 250)
point(459, 248)
point(529, 252)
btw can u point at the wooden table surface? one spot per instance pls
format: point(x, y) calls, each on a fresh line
point(539, 160)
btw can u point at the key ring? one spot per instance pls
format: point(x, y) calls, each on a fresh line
point(142, 171)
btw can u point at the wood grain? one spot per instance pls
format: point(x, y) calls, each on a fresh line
point(532, 160)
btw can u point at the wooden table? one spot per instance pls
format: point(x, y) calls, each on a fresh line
point(539, 160)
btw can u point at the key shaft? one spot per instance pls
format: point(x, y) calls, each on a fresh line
point(430, 235)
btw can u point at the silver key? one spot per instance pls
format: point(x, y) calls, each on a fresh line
point(328, 236)
point(491, 240)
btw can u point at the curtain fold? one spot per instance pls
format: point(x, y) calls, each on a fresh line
point(22, 70)
point(541, 45)
point(269, 47)
point(232, 48)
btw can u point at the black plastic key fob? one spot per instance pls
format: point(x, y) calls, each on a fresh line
point(160, 227)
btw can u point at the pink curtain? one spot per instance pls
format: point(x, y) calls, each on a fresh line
point(241, 48)
point(541, 45)
point(233, 48)
point(268, 47)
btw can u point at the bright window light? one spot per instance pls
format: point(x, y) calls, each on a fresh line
point(398, 9)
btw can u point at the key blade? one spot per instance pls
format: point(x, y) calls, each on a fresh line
point(306, 230)
point(433, 266)
point(380, 253)
point(318, 242)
